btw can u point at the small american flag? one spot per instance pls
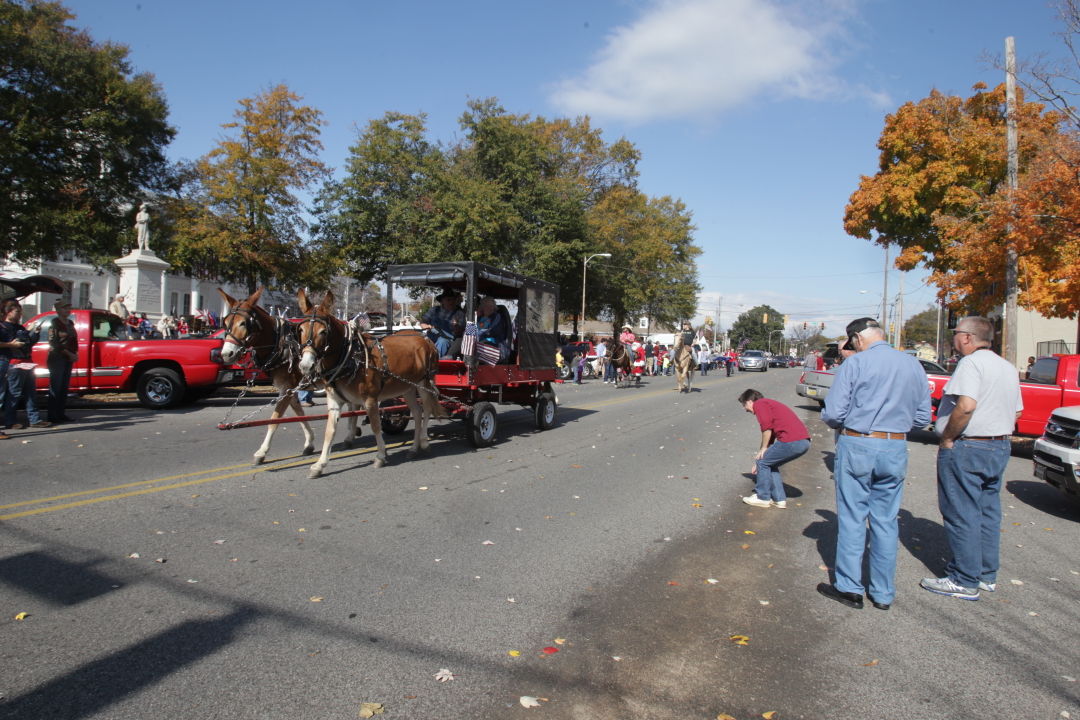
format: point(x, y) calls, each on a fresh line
point(487, 354)
point(468, 343)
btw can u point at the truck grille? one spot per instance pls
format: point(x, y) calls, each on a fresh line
point(1062, 431)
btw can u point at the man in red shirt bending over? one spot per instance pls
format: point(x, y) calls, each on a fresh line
point(783, 438)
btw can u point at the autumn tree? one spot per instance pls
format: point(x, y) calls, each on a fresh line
point(940, 191)
point(753, 329)
point(82, 137)
point(922, 326)
point(242, 219)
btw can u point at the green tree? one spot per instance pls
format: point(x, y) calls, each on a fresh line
point(243, 219)
point(922, 327)
point(754, 328)
point(82, 137)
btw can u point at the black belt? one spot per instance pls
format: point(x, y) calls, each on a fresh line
point(982, 437)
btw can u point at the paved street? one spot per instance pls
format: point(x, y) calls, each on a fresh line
point(602, 567)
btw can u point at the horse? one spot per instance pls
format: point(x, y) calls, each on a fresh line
point(274, 348)
point(358, 368)
point(620, 359)
point(683, 363)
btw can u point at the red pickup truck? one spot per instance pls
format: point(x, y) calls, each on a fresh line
point(163, 373)
point(1053, 382)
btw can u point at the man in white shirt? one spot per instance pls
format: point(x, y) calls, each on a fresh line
point(979, 408)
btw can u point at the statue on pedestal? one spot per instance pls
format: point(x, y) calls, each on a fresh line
point(142, 228)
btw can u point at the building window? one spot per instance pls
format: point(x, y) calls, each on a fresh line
point(84, 295)
point(643, 323)
point(68, 292)
point(187, 304)
point(173, 297)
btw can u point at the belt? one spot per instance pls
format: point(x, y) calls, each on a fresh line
point(877, 434)
point(982, 437)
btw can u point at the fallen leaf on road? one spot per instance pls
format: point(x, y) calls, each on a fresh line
point(712, 581)
point(695, 505)
point(315, 598)
point(1017, 582)
point(513, 653)
point(219, 542)
point(370, 709)
point(22, 616)
point(740, 639)
point(872, 663)
point(487, 542)
point(749, 532)
point(529, 701)
point(549, 650)
point(745, 546)
point(672, 582)
point(576, 466)
point(134, 555)
point(763, 602)
point(444, 675)
point(724, 716)
point(560, 641)
point(511, 600)
point(616, 658)
point(769, 715)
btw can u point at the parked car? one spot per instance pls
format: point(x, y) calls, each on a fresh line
point(781, 361)
point(815, 384)
point(1057, 452)
point(753, 360)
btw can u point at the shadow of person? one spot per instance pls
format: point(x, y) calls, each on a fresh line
point(1044, 497)
point(925, 540)
point(823, 532)
point(829, 458)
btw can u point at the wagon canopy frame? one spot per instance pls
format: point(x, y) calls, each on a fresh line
point(536, 322)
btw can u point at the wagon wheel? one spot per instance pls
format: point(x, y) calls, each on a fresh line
point(482, 423)
point(544, 411)
point(393, 423)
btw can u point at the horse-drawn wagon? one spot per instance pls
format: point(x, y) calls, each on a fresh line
point(471, 387)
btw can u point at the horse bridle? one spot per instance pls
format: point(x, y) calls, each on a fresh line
point(349, 342)
point(250, 321)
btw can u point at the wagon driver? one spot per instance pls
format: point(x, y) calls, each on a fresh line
point(445, 323)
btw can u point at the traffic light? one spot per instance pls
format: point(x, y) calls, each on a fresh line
point(804, 325)
point(823, 327)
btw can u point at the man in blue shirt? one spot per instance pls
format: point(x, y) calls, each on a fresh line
point(877, 396)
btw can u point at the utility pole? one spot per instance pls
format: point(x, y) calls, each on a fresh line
point(885, 290)
point(1008, 344)
point(900, 316)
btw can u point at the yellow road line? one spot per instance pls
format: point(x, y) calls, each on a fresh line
point(215, 474)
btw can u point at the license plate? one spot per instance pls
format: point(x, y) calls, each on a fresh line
point(237, 374)
point(811, 391)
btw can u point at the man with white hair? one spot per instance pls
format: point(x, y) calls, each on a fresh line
point(877, 396)
point(117, 307)
point(979, 408)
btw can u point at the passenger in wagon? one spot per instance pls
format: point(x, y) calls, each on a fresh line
point(445, 323)
point(493, 327)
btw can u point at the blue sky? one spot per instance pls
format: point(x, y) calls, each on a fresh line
point(760, 115)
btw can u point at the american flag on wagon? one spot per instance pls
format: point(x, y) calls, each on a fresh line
point(487, 354)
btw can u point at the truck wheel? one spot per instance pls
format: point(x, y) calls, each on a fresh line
point(482, 422)
point(545, 411)
point(160, 388)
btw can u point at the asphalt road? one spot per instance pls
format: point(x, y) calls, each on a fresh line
point(164, 576)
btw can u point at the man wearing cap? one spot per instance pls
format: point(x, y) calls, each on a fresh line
point(63, 352)
point(445, 323)
point(877, 396)
point(979, 408)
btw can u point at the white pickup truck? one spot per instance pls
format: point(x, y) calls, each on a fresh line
point(815, 384)
point(1056, 453)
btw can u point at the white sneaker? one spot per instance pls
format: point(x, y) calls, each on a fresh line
point(780, 504)
point(945, 586)
point(756, 501)
point(988, 587)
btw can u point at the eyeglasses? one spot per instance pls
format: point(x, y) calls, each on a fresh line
point(957, 332)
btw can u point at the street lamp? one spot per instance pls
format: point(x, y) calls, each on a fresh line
point(584, 271)
point(770, 337)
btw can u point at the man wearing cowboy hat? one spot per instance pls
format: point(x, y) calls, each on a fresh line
point(445, 323)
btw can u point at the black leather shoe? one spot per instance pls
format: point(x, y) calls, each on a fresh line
point(852, 600)
point(875, 603)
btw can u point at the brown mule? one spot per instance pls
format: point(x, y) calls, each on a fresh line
point(684, 364)
point(274, 348)
point(359, 369)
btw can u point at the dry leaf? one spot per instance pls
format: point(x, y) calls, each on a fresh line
point(712, 581)
point(771, 715)
point(22, 616)
point(444, 675)
point(370, 709)
point(749, 532)
point(672, 582)
point(745, 546)
point(697, 505)
point(560, 641)
point(134, 555)
point(550, 650)
point(724, 716)
point(872, 663)
point(1017, 582)
point(528, 701)
point(513, 653)
point(487, 542)
point(315, 598)
point(740, 639)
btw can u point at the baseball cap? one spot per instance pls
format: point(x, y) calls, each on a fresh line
point(857, 326)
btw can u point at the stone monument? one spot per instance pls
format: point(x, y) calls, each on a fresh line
point(142, 273)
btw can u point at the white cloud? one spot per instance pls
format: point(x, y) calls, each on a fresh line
point(689, 58)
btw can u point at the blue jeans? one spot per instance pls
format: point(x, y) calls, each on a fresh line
point(869, 476)
point(20, 384)
point(609, 371)
point(969, 495)
point(59, 381)
point(5, 394)
point(769, 484)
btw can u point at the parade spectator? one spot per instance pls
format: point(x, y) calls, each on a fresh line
point(1030, 364)
point(118, 308)
point(877, 396)
point(650, 358)
point(21, 385)
point(784, 437)
point(9, 344)
point(979, 407)
point(600, 366)
point(445, 323)
point(183, 327)
point(146, 329)
point(703, 355)
point(63, 352)
point(167, 326)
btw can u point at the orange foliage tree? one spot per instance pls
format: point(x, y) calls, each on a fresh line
point(940, 196)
